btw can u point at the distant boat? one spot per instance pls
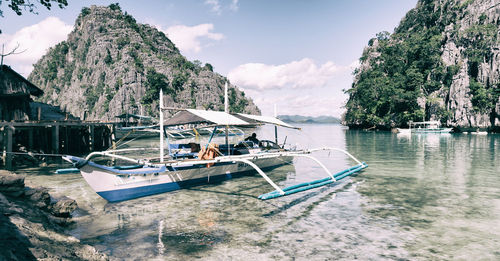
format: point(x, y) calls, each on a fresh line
point(136, 132)
point(425, 127)
point(479, 132)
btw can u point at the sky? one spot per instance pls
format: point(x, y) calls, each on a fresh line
point(297, 56)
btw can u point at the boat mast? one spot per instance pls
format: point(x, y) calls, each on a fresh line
point(275, 127)
point(161, 125)
point(226, 110)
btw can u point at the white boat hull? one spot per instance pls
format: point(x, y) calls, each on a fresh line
point(439, 130)
point(424, 130)
point(118, 185)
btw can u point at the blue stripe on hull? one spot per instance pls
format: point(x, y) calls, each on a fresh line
point(131, 193)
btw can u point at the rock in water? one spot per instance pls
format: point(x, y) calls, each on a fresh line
point(31, 225)
point(11, 184)
point(40, 196)
point(63, 207)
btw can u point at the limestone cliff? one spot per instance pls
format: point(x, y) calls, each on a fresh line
point(110, 65)
point(441, 63)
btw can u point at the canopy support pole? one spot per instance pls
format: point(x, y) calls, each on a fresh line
point(275, 127)
point(161, 126)
point(168, 143)
point(211, 137)
point(226, 110)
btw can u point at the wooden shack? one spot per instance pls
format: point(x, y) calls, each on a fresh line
point(15, 95)
point(28, 126)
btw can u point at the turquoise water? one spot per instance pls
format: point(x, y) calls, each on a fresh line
point(422, 197)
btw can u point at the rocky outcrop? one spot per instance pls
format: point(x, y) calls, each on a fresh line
point(111, 65)
point(442, 63)
point(485, 69)
point(32, 223)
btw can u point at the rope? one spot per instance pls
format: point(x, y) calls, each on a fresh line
point(125, 143)
point(36, 154)
point(124, 136)
point(118, 145)
point(197, 137)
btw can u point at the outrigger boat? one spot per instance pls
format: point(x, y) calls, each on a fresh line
point(185, 166)
point(425, 127)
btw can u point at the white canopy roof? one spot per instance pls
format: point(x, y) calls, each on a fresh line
point(267, 119)
point(191, 116)
point(218, 117)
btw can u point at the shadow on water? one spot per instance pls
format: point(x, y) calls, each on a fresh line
point(193, 242)
point(221, 192)
point(404, 201)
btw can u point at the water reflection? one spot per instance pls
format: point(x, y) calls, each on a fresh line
point(441, 188)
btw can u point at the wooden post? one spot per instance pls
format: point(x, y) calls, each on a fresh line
point(30, 139)
point(39, 113)
point(91, 138)
point(8, 149)
point(4, 144)
point(55, 139)
point(113, 141)
point(113, 137)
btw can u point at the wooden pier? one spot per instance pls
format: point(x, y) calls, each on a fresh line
point(53, 138)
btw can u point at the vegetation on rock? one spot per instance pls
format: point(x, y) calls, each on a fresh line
point(110, 65)
point(403, 76)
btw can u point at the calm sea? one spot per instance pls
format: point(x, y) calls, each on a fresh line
point(422, 197)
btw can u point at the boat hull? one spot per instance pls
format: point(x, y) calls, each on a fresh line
point(114, 185)
point(424, 130)
point(440, 130)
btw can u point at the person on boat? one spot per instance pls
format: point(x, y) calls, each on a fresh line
point(253, 138)
point(209, 153)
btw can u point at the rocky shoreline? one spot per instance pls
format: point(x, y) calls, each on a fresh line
point(32, 224)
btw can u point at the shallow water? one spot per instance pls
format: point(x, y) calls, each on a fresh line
point(422, 197)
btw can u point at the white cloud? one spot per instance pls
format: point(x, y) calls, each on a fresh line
point(234, 5)
point(297, 74)
point(300, 87)
point(188, 38)
point(36, 40)
point(215, 6)
point(312, 103)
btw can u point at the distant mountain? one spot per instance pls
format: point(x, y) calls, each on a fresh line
point(309, 119)
point(111, 65)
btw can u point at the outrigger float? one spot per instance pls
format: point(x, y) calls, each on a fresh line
point(187, 165)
